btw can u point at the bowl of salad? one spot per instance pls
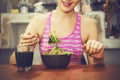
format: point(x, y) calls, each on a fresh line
point(56, 57)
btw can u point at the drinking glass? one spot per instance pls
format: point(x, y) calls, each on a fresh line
point(24, 58)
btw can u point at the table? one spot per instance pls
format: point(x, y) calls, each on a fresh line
point(72, 72)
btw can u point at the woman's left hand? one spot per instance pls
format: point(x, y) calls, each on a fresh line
point(94, 48)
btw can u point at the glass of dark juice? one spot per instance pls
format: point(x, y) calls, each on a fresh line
point(24, 58)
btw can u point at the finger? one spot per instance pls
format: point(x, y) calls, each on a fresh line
point(92, 47)
point(100, 46)
point(28, 42)
point(95, 47)
point(34, 40)
point(25, 41)
point(31, 43)
point(29, 39)
point(100, 55)
point(100, 52)
point(21, 36)
point(84, 46)
point(28, 36)
point(37, 37)
point(93, 42)
point(28, 33)
point(88, 45)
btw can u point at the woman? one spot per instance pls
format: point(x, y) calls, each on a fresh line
point(77, 32)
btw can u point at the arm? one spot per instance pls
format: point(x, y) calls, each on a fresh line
point(93, 47)
point(12, 59)
point(30, 37)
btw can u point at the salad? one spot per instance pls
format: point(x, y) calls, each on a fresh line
point(53, 39)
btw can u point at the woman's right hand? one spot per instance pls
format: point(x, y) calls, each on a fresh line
point(28, 39)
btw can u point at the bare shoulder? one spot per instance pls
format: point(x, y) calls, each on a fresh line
point(88, 28)
point(40, 18)
point(87, 21)
point(37, 23)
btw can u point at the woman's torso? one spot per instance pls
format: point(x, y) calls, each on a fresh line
point(71, 42)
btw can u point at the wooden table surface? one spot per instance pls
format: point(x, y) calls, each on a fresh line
point(72, 72)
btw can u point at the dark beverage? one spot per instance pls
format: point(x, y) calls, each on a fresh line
point(24, 59)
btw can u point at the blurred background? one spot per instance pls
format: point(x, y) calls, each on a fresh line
point(16, 14)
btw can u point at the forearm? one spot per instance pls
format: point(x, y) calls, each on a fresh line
point(12, 59)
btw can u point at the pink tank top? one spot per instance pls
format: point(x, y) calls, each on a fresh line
point(72, 42)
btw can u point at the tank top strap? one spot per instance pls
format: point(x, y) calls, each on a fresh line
point(46, 30)
point(78, 25)
point(78, 22)
point(77, 29)
point(48, 23)
point(47, 26)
